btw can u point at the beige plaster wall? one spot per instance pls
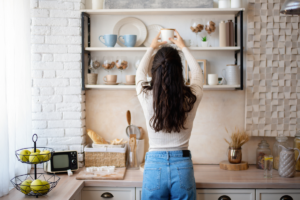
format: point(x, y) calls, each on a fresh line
point(106, 114)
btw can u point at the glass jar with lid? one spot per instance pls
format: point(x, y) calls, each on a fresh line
point(262, 150)
point(297, 145)
point(280, 140)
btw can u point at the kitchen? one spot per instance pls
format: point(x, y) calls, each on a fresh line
point(62, 111)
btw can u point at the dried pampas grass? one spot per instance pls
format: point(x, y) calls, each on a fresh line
point(238, 139)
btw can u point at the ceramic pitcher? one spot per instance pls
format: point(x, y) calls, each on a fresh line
point(287, 162)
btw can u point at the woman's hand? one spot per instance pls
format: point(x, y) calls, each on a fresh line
point(155, 43)
point(179, 42)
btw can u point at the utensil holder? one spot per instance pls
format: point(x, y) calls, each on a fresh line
point(140, 151)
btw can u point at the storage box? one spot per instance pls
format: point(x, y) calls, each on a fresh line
point(97, 157)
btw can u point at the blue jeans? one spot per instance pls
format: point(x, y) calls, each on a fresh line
point(168, 175)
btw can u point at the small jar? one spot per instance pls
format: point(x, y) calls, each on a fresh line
point(297, 145)
point(280, 140)
point(262, 150)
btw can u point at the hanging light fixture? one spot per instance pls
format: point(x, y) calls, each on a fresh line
point(291, 7)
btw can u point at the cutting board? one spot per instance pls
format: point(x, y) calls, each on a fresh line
point(234, 167)
point(118, 174)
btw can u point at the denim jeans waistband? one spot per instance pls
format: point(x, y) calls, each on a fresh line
point(169, 154)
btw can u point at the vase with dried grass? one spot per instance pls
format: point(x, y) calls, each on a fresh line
point(238, 139)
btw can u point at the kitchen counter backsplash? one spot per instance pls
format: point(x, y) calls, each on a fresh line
point(106, 114)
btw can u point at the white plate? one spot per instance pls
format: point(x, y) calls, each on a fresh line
point(153, 30)
point(131, 25)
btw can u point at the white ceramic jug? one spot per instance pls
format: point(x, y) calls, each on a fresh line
point(287, 162)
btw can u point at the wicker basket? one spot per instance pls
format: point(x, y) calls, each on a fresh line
point(94, 158)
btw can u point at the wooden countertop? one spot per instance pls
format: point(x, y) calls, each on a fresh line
point(207, 176)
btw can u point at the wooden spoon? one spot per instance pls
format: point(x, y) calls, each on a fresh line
point(128, 116)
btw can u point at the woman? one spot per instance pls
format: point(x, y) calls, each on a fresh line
point(169, 107)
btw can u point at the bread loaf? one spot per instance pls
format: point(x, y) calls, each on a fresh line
point(97, 139)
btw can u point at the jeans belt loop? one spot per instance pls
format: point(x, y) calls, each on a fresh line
point(168, 155)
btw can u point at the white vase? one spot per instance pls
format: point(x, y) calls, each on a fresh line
point(236, 4)
point(97, 4)
point(204, 44)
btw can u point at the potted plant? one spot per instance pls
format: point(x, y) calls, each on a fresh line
point(238, 139)
point(204, 42)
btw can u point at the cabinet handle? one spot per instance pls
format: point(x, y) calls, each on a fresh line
point(224, 197)
point(107, 195)
point(286, 197)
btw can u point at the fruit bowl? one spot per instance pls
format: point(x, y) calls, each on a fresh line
point(40, 186)
point(27, 155)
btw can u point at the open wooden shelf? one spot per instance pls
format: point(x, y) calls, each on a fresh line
point(145, 48)
point(181, 11)
point(205, 87)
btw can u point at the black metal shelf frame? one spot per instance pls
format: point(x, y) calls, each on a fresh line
point(241, 52)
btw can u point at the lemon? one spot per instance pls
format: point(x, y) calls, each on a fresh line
point(35, 158)
point(25, 186)
point(36, 186)
point(24, 155)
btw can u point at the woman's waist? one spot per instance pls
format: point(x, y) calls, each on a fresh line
point(169, 154)
point(168, 157)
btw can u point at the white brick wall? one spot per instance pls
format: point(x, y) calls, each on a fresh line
point(57, 100)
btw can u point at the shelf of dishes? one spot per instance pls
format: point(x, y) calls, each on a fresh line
point(184, 11)
point(205, 87)
point(145, 48)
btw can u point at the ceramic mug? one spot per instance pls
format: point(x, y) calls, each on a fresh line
point(213, 79)
point(110, 78)
point(221, 80)
point(130, 78)
point(129, 40)
point(167, 33)
point(110, 40)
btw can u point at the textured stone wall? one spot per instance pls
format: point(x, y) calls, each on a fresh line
point(58, 102)
point(273, 70)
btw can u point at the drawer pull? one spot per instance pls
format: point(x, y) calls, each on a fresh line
point(286, 197)
point(107, 195)
point(224, 197)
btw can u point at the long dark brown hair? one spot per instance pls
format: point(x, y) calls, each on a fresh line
point(172, 99)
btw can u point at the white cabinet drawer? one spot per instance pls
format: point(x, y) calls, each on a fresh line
point(277, 194)
point(236, 194)
point(138, 193)
point(94, 193)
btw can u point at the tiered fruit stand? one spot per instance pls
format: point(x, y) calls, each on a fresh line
point(27, 187)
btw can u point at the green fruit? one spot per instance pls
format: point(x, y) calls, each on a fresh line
point(25, 186)
point(46, 155)
point(36, 150)
point(24, 155)
point(45, 188)
point(35, 158)
point(36, 186)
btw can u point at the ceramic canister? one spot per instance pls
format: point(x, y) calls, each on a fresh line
point(97, 4)
point(224, 4)
point(232, 74)
point(222, 34)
